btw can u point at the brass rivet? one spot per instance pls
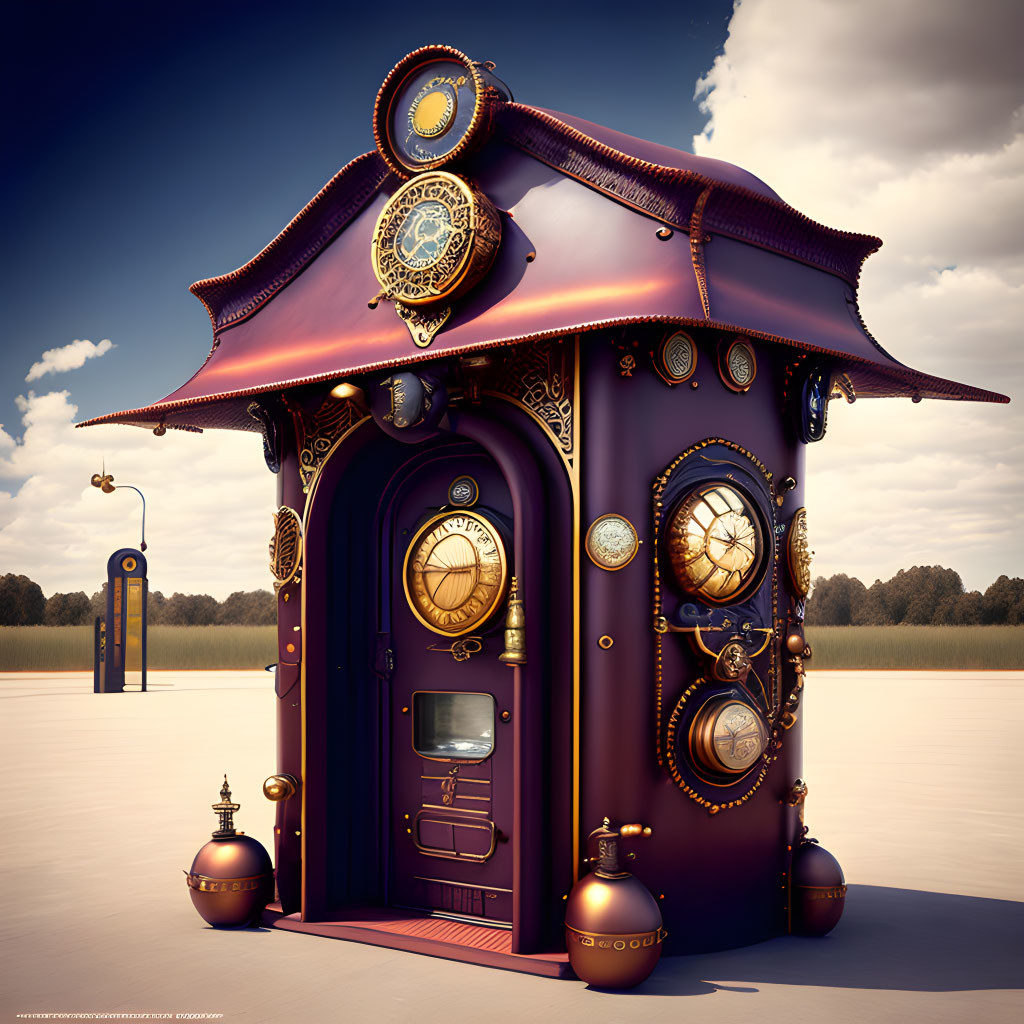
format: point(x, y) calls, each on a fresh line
point(405, 710)
point(605, 642)
point(297, 832)
point(295, 629)
point(285, 597)
point(290, 648)
point(409, 831)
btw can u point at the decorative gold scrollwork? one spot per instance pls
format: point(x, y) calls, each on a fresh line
point(460, 650)
point(316, 432)
point(286, 546)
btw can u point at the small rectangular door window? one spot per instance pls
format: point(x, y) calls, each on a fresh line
point(453, 726)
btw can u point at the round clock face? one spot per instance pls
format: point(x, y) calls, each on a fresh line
point(611, 541)
point(435, 238)
point(716, 544)
point(455, 573)
point(727, 736)
point(431, 109)
point(737, 365)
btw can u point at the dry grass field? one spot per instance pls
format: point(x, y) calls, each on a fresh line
point(69, 648)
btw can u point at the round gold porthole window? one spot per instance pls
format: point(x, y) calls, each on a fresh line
point(727, 736)
point(716, 544)
point(129, 564)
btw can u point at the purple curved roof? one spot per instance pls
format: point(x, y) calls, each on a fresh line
point(666, 156)
point(599, 229)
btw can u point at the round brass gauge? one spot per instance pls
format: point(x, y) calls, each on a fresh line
point(727, 736)
point(676, 358)
point(455, 572)
point(716, 543)
point(799, 554)
point(463, 492)
point(611, 542)
point(435, 238)
point(737, 364)
point(436, 106)
point(128, 564)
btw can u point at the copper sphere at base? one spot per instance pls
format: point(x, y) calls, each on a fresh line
point(818, 892)
point(231, 881)
point(613, 931)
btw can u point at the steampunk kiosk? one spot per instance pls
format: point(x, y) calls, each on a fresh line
point(537, 395)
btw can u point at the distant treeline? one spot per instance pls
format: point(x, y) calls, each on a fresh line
point(922, 596)
point(22, 604)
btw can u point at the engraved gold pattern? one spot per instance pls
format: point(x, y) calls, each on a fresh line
point(423, 326)
point(316, 433)
point(800, 554)
point(286, 546)
point(540, 377)
point(611, 542)
point(435, 238)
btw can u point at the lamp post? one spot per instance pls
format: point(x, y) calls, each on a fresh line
point(105, 482)
point(119, 661)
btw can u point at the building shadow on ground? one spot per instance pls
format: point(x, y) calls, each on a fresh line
point(898, 939)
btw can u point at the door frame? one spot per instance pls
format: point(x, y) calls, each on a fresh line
point(543, 713)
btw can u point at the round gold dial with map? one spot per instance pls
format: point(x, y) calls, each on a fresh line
point(456, 572)
point(716, 544)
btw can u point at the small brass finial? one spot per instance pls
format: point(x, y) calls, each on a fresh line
point(515, 629)
point(226, 810)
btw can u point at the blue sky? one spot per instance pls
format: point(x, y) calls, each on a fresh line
point(153, 145)
point(147, 146)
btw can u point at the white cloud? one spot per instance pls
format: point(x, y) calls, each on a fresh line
point(68, 357)
point(209, 501)
point(905, 121)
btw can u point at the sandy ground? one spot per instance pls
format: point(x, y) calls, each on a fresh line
point(915, 784)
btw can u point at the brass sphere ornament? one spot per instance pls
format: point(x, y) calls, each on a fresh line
point(232, 878)
point(613, 927)
point(818, 892)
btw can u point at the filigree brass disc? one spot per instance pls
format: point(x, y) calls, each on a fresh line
point(737, 364)
point(800, 554)
point(285, 546)
point(715, 543)
point(611, 541)
point(435, 238)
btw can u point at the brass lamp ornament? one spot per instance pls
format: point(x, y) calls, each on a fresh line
point(515, 629)
point(613, 927)
point(232, 878)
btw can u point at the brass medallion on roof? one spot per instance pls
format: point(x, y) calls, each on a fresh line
point(435, 238)
point(434, 108)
